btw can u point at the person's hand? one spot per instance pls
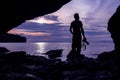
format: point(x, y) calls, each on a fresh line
point(85, 40)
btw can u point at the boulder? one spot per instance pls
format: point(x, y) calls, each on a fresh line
point(3, 50)
point(52, 54)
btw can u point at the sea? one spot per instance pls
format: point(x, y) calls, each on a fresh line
point(39, 48)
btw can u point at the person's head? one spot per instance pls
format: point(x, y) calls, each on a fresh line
point(76, 16)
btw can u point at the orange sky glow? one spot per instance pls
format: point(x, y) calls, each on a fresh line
point(27, 33)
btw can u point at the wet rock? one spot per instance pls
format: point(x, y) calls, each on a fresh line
point(14, 57)
point(19, 66)
point(52, 54)
point(104, 75)
point(3, 50)
point(90, 64)
point(74, 56)
point(76, 75)
point(107, 56)
point(20, 76)
point(37, 60)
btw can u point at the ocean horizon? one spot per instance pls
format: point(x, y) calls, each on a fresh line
point(39, 48)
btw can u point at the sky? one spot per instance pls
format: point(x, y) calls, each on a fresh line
point(55, 26)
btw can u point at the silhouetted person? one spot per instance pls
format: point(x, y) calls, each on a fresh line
point(114, 29)
point(76, 28)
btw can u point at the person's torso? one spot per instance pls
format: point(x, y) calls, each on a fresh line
point(77, 27)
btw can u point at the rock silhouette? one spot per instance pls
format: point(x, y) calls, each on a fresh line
point(12, 38)
point(13, 13)
point(54, 53)
point(3, 50)
point(114, 28)
point(21, 66)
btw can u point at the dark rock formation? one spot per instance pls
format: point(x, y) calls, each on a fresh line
point(112, 55)
point(54, 53)
point(11, 38)
point(114, 28)
point(13, 13)
point(20, 66)
point(3, 50)
point(74, 56)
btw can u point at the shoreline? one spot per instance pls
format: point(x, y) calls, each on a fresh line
point(39, 48)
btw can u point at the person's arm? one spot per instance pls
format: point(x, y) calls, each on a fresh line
point(82, 30)
point(71, 28)
point(83, 34)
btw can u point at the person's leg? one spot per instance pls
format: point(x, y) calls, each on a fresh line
point(74, 42)
point(73, 46)
point(79, 45)
point(79, 48)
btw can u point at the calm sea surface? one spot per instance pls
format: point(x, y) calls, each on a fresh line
point(39, 48)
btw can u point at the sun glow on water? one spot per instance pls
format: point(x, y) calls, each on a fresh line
point(41, 47)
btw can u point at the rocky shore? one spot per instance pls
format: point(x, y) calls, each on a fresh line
point(21, 66)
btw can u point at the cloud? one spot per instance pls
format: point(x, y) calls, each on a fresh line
point(43, 32)
point(27, 32)
point(47, 19)
point(51, 17)
point(99, 9)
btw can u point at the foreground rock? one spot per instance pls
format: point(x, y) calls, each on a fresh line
point(3, 50)
point(54, 53)
point(21, 66)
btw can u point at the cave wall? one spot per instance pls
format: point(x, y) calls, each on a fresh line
point(15, 12)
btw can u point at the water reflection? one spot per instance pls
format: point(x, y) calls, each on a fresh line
point(41, 47)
